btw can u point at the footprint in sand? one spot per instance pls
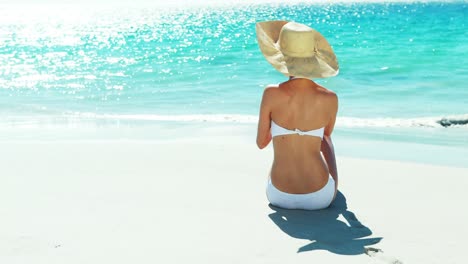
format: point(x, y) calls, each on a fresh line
point(378, 255)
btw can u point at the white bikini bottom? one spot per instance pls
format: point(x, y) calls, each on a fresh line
point(308, 201)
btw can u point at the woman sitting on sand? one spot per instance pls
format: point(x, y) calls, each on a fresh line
point(298, 116)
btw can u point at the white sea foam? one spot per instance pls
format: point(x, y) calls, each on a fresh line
point(346, 122)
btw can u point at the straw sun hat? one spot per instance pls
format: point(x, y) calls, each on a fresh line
point(296, 50)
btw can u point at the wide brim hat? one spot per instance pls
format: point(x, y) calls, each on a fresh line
point(297, 50)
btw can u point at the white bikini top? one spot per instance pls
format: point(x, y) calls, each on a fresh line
point(277, 130)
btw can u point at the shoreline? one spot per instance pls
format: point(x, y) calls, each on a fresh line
point(352, 144)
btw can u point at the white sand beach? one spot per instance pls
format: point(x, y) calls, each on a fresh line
point(127, 131)
point(196, 201)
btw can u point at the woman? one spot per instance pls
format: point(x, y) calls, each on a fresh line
point(298, 116)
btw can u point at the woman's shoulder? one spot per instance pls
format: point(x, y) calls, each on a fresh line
point(329, 94)
point(272, 94)
point(328, 99)
point(271, 89)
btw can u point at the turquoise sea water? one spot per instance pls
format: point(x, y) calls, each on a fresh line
point(403, 68)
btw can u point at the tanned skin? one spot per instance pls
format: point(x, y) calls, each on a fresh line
point(301, 163)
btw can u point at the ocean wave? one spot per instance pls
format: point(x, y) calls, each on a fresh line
point(347, 122)
point(215, 118)
point(459, 120)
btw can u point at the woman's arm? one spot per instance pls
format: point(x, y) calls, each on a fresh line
point(327, 144)
point(264, 120)
point(329, 155)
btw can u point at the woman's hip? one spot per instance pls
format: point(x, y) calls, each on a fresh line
point(319, 199)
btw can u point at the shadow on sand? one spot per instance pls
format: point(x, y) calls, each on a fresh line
point(324, 230)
